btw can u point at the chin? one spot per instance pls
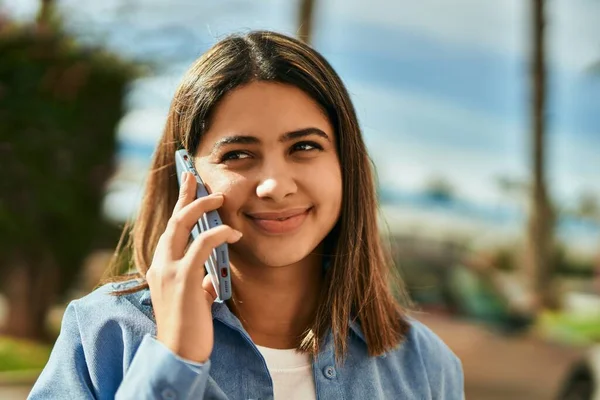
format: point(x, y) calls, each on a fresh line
point(273, 255)
point(280, 257)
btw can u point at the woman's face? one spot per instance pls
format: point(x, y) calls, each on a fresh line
point(271, 151)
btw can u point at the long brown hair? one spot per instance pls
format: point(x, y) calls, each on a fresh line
point(358, 279)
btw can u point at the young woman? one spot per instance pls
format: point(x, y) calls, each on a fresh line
point(314, 315)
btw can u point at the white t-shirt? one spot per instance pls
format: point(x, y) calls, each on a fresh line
point(291, 373)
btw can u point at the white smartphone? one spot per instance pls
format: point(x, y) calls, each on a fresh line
point(217, 265)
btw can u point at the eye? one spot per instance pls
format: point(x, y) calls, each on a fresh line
point(306, 146)
point(234, 155)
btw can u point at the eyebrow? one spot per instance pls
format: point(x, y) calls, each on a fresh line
point(286, 137)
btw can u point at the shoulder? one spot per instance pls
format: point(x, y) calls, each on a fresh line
point(99, 336)
point(428, 345)
point(106, 295)
point(442, 367)
point(104, 310)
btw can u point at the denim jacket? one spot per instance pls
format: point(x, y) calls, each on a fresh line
point(107, 349)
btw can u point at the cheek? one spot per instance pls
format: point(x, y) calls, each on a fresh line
point(218, 180)
point(335, 191)
point(326, 184)
point(234, 187)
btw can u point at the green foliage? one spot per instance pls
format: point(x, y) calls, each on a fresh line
point(506, 259)
point(59, 107)
point(440, 189)
point(22, 355)
point(567, 265)
point(571, 329)
point(587, 207)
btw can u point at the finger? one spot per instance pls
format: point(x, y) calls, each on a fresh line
point(204, 244)
point(187, 191)
point(209, 290)
point(180, 225)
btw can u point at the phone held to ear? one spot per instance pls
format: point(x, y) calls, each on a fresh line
point(217, 265)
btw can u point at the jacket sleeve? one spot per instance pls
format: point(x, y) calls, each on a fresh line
point(444, 369)
point(66, 375)
point(452, 379)
point(155, 371)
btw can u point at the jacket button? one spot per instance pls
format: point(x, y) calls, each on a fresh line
point(168, 394)
point(329, 372)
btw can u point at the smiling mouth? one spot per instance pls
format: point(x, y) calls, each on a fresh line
point(278, 219)
point(276, 223)
point(279, 216)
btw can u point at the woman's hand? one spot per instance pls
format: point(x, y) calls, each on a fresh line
point(181, 292)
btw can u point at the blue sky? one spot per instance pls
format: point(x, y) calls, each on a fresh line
point(455, 78)
point(441, 88)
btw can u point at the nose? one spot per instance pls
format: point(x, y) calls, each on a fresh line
point(276, 185)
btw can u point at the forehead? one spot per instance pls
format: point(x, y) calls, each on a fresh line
point(265, 109)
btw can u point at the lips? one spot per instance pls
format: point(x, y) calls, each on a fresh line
point(278, 215)
point(281, 222)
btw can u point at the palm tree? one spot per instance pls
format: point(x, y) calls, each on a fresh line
point(44, 15)
point(305, 20)
point(540, 241)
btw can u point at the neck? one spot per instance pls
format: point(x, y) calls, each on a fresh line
point(276, 304)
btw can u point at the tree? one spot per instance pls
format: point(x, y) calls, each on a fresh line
point(305, 20)
point(540, 238)
point(588, 206)
point(440, 189)
point(45, 14)
point(512, 188)
point(59, 106)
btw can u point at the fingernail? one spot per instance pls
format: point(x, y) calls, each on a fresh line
point(218, 194)
point(184, 176)
point(238, 234)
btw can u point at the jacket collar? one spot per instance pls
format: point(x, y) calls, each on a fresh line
point(221, 312)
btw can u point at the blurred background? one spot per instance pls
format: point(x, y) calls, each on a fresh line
point(482, 118)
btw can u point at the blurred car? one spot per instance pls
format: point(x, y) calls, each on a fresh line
point(480, 319)
point(506, 367)
point(583, 381)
